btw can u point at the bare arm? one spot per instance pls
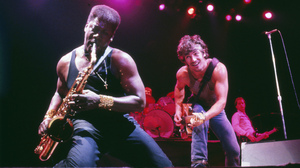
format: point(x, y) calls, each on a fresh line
point(131, 82)
point(220, 78)
point(179, 94)
point(61, 90)
point(62, 69)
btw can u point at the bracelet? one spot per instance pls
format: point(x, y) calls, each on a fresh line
point(50, 114)
point(106, 102)
point(202, 116)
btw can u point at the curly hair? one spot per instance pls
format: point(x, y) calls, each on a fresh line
point(105, 13)
point(186, 45)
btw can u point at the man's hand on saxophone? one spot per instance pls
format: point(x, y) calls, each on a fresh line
point(88, 100)
point(44, 126)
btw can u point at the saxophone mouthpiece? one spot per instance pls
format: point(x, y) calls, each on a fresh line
point(94, 50)
point(93, 54)
point(95, 35)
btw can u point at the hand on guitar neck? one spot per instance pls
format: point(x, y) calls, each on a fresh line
point(262, 136)
point(266, 134)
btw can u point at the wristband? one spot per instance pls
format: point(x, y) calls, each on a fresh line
point(200, 116)
point(106, 102)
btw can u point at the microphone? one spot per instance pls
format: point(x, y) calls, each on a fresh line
point(270, 32)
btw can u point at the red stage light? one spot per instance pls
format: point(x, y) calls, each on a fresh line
point(228, 17)
point(210, 7)
point(191, 11)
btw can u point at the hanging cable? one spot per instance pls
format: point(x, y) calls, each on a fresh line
point(287, 60)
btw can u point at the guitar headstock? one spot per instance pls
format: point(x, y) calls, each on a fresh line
point(275, 129)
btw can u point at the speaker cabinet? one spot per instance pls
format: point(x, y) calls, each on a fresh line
point(275, 153)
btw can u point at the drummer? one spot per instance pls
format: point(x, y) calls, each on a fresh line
point(167, 103)
point(150, 101)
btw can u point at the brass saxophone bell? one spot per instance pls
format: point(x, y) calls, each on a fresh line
point(60, 129)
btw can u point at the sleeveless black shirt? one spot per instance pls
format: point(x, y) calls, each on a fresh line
point(105, 121)
point(94, 83)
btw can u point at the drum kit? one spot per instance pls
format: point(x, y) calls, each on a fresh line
point(157, 117)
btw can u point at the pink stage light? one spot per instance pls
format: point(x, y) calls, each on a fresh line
point(268, 15)
point(238, 17)
point(210, 7)
point(247, 1)
point(162, 6)
point(228, 17)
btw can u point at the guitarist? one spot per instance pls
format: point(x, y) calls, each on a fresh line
point(242, 125)
point(193, 52)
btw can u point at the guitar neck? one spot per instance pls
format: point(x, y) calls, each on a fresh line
point(259, 138)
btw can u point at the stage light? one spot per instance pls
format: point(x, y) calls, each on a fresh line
point(247, 1)
point(191, 10)
point(228, 17)
point(268, 15)
point(238, 17)
point(162, 6)
point(210, 7)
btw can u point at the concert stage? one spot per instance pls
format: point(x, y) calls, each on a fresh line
point(261, 154)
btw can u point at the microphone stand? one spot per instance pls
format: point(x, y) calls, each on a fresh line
point(277, 85)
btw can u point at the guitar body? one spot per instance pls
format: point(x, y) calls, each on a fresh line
point(188, 118)
point(185, 122)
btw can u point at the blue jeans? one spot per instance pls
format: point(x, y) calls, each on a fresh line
point(137, 148)
point(222, 128)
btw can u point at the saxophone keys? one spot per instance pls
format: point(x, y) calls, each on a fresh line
point(38, 150)
point(71, 102)
point(78, 80)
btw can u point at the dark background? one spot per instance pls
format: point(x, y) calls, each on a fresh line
point(35, 34)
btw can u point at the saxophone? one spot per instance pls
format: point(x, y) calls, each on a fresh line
point(60, 128)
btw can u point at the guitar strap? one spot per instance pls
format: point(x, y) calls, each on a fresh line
point(206, 77)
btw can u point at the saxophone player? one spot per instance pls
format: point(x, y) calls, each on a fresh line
point(101, 121)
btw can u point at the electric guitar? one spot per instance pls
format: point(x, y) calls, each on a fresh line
point(261, 137)
point(187, 118)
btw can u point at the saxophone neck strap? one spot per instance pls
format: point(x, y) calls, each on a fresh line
point(102, 58)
